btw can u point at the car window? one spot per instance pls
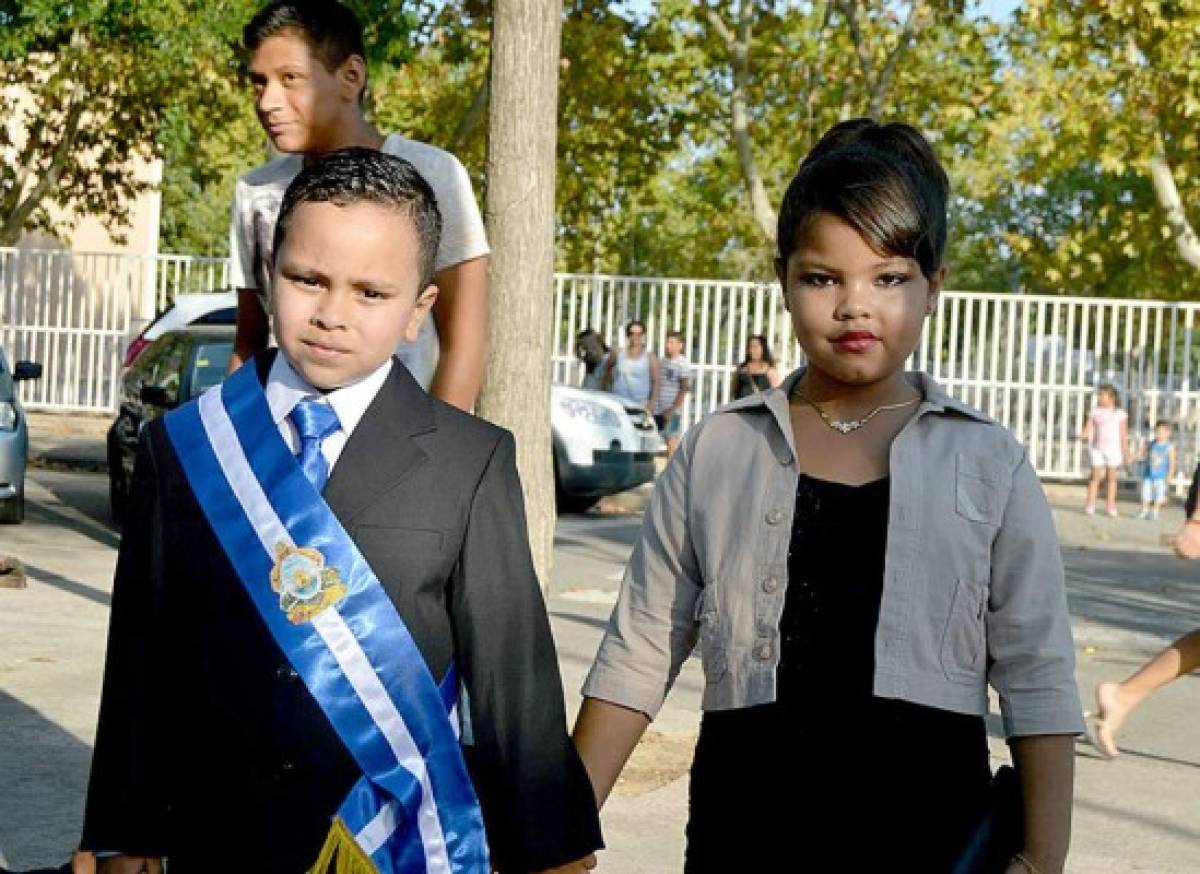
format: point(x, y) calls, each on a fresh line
point(168, 369)
point(142, 370)
point(208, 364)
point(227, 316)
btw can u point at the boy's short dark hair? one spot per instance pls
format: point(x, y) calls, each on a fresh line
point(331, 30)
point(881, 179)
point(359, 175)
point(675, 335)
point(1163, 423)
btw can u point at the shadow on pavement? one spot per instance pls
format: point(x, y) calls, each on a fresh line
point(43, 778)
point(66, 584)
point(1136, 591)
point(87, 526)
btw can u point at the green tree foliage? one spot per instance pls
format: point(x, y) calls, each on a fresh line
point(87, 88)
point(1102, 89)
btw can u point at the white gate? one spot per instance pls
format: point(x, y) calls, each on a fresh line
point(1031, 362)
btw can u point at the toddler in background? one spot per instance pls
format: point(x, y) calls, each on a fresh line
point(1158, 468)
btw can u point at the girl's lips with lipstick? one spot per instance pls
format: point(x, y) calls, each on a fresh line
point(855, 341)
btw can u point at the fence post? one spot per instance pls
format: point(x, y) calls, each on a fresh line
point(145, 305)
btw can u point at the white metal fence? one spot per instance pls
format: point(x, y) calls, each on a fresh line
point(1030, 361)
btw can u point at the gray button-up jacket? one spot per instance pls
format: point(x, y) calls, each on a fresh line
point(973, 587)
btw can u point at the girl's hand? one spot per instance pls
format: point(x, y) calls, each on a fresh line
point(1187, 541)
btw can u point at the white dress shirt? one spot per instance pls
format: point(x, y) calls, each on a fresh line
point(285, 388)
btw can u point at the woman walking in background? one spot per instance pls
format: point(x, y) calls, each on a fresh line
point(757, 372)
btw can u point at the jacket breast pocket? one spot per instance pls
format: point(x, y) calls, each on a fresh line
point(713, 651)
point(413, 555)
point(980, 488)
point(964, 640)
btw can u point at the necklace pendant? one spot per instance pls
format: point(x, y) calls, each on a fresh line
point(846, 427)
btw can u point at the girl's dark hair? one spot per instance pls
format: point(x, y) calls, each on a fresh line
point(331, 30)
point(881, 179)
point(766, 348)
point(1109, 388)
point(348, 176)
point(639, 323)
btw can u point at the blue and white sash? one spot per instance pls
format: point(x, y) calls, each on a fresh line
point(415, 809)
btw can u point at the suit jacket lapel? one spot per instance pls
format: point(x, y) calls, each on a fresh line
point(381, 451)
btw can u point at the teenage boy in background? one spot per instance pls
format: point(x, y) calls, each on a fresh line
point(309, 76)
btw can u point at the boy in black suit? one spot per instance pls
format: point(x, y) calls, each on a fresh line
point(324, 581)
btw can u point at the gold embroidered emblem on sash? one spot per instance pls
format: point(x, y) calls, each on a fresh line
point(305, 585)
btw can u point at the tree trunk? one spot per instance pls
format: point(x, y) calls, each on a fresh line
point(1186, 241)
point(522, 118)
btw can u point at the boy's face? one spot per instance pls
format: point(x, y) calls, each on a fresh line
point(1162, 433)
point(300, 104)
point(674, 347)
point(346, 290)
point(857, 314)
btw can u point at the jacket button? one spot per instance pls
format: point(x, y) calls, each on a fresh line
point(774, 517)
point(286, 674)
point(770, 585)
point(762, 652)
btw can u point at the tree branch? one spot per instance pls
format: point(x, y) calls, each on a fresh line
point(849, 10)
point(739, 47)
point(14, 221)
point(912, 24)
point(1187, 243)
point(474, 114)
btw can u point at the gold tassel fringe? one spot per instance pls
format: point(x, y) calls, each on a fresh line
point(341, 854)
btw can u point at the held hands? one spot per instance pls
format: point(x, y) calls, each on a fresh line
point(577, 867)
point(130, 865)
point(1187, 541)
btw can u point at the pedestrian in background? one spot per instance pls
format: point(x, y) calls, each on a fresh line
point(591, 350)
point(1158, 469)
point(676, 374)
point(757, 371)
point(1107, 437)
point(633, 373)
point(850, 611)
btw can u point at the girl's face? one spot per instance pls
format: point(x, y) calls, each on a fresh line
point(1106, 399)
point(635, 337)
point(754, 350)
point(857, 314)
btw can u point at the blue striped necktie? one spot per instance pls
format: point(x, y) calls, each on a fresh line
point(314, 422)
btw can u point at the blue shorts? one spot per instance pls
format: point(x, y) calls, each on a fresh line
point(669, 427)
point(1154, 490)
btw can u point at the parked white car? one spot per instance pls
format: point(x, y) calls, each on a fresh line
point(602, 445)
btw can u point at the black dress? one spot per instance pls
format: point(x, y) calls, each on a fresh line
point(830, 777)
point(749, 383)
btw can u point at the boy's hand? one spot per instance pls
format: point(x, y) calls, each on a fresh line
point(130, 865)
point(582, 865)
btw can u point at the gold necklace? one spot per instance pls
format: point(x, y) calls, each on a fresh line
point(847, 426)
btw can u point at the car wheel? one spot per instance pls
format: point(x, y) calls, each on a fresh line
point(574, 503)
point(12, 511)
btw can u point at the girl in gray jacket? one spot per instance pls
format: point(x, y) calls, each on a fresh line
point(856, 574)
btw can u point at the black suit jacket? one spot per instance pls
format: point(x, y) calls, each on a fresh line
point(212, 752)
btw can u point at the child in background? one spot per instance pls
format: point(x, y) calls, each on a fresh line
point(1158, 469)
point(676, 379)
point(1107, 436)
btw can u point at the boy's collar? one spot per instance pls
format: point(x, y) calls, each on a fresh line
point(285, 388)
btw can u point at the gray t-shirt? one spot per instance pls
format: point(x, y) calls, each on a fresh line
point(259, 193)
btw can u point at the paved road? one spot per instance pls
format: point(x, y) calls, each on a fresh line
point(1140, 813)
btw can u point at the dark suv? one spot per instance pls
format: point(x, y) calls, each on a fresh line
point(172, 370)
